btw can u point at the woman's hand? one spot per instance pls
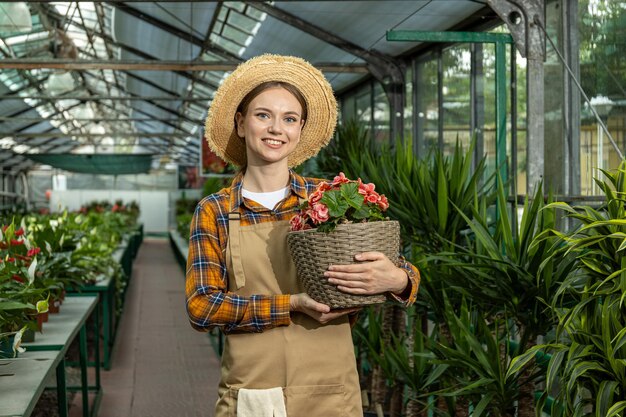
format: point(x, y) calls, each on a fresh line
point(374, 274)
point(321, 312)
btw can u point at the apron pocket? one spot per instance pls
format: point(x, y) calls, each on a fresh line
point(315, 400)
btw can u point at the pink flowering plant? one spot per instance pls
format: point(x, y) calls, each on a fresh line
point(341, 201)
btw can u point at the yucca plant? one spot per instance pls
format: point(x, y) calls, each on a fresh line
point(511, 273)
point(423, 194)
point(587, 370)
point(345, 152)
point(478, 361)
point(412, 360)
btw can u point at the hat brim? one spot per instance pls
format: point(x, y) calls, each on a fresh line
point(318, 94)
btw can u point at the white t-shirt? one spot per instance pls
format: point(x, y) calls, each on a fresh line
point(268, 200)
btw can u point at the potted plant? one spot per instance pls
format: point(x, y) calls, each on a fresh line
point(340, 219)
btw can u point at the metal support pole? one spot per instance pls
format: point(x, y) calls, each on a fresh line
point(521, 18)
point(83, 369)
point(62, 389)
point(501, 161)
point(534, 134)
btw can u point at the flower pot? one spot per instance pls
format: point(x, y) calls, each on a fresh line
point(6, 347)
point(28, 336)
point(40, 320)
point(313, 252)
point(54, 306)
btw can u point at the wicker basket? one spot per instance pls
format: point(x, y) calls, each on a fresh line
point(313, 252)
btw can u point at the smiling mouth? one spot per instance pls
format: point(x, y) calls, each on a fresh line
point(273, 141)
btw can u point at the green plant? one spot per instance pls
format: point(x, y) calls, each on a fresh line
point(345, 152)
point(511, 273)
point(587, 369)
point(479, 363)
point(338, 202)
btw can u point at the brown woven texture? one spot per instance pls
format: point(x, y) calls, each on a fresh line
point(313, 252)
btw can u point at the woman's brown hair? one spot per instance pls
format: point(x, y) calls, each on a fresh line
point(243, 106)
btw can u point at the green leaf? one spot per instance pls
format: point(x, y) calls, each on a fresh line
point(482, 405)
point(337, 206)
point(604, 397)
point(14, 305)
point(362, 213)
point(616, 409)
point(442, 199)
point(350, 192)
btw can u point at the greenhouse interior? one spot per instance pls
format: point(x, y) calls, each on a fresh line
point(493, 131)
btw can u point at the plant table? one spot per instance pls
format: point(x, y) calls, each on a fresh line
point(23, 379)
point(58, 334)
point(105, 288)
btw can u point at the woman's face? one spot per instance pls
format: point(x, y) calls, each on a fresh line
point(271, 126)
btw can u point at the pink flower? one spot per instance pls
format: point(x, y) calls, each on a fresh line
point(340, 179)
point(323, 186)
point(319, 213)
point(383, 203)
point(372, 198)
point(366, 189)
point(315, 196)
point(297, 222)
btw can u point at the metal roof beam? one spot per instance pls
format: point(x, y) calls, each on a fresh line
point(383, 67)
point(113, 98)
point(154, 65)
point(124, 7)
point(166, 109)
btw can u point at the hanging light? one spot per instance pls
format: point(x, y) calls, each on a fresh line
point(15, 17)
point(59, 83)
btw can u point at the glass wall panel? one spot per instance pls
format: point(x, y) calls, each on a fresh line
point(602, 35)
point(427, 103)
point(456, 97)
point(408, 107)
point(381, 114)
point(363, 105)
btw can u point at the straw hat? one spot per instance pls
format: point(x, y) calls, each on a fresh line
point(321, 106)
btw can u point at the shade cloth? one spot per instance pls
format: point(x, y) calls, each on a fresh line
point(104, 164)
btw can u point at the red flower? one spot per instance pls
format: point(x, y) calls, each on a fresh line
point(4, 228)
point(372, 198)
point(33, 251)
point(319, 214)
point(315, 196)
point(10, 259)
point(349, 201)
point(340, 179)
point(18, 278)
point(19, 232)
point(383, 203)
point(16, 242)
point(298, 222)
point(366, 189)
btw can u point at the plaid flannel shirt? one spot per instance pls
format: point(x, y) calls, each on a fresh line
point(209, 303)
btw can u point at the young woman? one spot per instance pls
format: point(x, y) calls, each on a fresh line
point(285, 353)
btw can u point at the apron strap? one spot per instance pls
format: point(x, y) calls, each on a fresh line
point(234, 246)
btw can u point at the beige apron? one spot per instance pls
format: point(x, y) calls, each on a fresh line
point(313, 363)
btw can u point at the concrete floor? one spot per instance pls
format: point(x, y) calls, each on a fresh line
point(160, 365)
